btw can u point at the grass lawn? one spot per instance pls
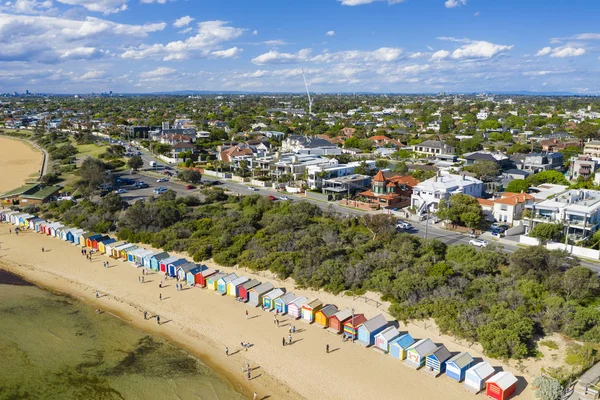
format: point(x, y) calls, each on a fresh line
point(89, 150)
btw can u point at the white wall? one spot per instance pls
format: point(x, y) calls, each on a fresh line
point(529, 240)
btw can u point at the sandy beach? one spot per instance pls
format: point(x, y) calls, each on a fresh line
point(19, 162)
point(205, 323)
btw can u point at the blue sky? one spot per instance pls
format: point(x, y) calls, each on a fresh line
point(80, 46)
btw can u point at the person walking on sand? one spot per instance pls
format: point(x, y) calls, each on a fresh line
point(249, 376)
point(158, 320)
point(227, 351)
point(283, 341)
point(160, 296)
point(160, 284)
point(139, 280)
point(145, 315)
point(327, 348)
point(42, 249)
point(290, 338)
point(246, 314)
point(143, 281)
point(97, 295)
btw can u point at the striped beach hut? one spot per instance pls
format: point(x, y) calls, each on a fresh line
point(24, 219)
point(436, 361)
point(191, 275)
point(156, 259)
point(33, 222)
point(501, 386)
point(383, 338)
point(370, 328)
point(118, 251)
point(39, 224)
point(223, 281)
point(42, 227)
point(324, 314)
point(416, 354)
point(244, 290)
point(165, 261)
point(233, 287)
point(336, 322)
point(5, 214)
point(269, 298)
point(132, 254)
point(15, 218)
point(310, 309)
point(202, 277)
point(111, 249)
point(256, 294)
point(102, 245)
point(141, 256)
point(185, 269)
point(352, 324)
point(295, 307)
point(172, 266)
point(477, 375)
point(400, 345)
point(212, 280)
point(281, 303)
point(457, 366)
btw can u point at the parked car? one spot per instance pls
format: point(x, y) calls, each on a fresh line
point(120, 191)
point(403, 225)
point(215, 183)
point(141, 185)
point(162, 180)
point(190, 187)
point(252, 189)
point(478, 243)
point(272, 198)
point(160, 190)
point(284, 198)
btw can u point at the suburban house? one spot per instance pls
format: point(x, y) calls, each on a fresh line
point(433, 148)
point(577, 210)
point(349, 184)
point(555, 145)
point(228, 153)
point(508, 208)
point(309, 146)
point(318, 173)
point(174, 138)
point(179, 148)
point(582, 166)
point(537, 162)
point(499, 158)
point(390, 190)
point(295, 165)
point(592, 148)
point(381, 140)
point(348, 132)
point(429, 194)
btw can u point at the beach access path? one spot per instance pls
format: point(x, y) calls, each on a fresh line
point(205, 323)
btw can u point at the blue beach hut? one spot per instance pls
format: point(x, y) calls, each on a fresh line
point(156, 259)
point(436, 361)
point(191, 275)
point(457, 366)
point(172, 266)
point(281, 303)
point(400, 345)
point(223, 281)
point(370, 328)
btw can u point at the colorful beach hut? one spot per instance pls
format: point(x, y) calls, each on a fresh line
point(310, 309)
point(400, 345)
point(203, 276)
point(337, 320)
point(62, 233)
point(24, 219)
point(141, 256)
point(165, 261)
point(15, 218)
point(477, 375)
point(185, 269)
point(416, 354)
point(457, 366)
point(72, 234)
point(212, 280)
point(54, 230)
point(436, 361)
point(281, 303)
point(102, 245)
point(132, 254)
point(172, 266)
point(97, 241)
point(111, 249)
point(39, 224)
point(117, 251)
point(370, 328)
point(246, 287)
point(233, 287)
point(352, 324)
point(83, 238)
point(156, 259)
point(256, 294)
point(323, 316)
point(90, 240)
point(269, 298)
point(190, 278)
point(223, 281)
point(125, 252)
point(33, 222)
point(501, 386)
point(295, 307)
point(383, 338)
point(77, 236)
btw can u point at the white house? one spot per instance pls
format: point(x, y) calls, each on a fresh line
point(429, 194)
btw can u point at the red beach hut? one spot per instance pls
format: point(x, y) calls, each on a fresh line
point(501, 386)
point(336, 322)
point(352, 324)
point(201, 277)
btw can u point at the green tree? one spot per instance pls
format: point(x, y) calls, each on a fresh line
point(484, 170)
point(546, 232)
point(93, 173)
point(518, 186)
point(401, 168)
point(547, 388)
point(382, 164)
point(547, 177)
point(135, 163)
point(461, 209)
point(579, 283)
point(190, 175)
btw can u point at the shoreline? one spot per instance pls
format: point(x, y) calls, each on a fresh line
point(17, 165)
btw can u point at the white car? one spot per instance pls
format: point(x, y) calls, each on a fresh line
point(162, 180)
point(478, 243)
point(160, 190)
point(403, 225)
point(252, 189)
point(120, 191)
point(284, 198)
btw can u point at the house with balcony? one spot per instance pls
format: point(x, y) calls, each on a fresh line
point(592, 148)
point(577, 210)
point(316, 174)
point(434, 148)
point(295, 165)
point(345, 185)
point(538, 162)
point(582, 166)
point(428, 194)
point(390, 190)
point(508, 208)
point(309, 146)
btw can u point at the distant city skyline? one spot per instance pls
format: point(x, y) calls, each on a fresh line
point(378, 46)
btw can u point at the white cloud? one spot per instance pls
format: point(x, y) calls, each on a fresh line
point(211, 35)
point(90, 75)
point(588, 36)
point(544, 52)
point(418, 54)
point(183, 21)
point(275, 57)
point(440, 55)
point(255, 32)
point(83, 53)
point(562, 52)
point(361, 2)
point(229, 53)
point(383, 54)
point(103, 6)
point(27, 6)
point(330, 33)
point(161, 71)
point(546, 72)
point(154, 1)
point(455, 3)
point(479, 49)
point(186, 30)
point(476, 14)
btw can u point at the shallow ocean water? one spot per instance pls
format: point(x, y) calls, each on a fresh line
point(55, 347)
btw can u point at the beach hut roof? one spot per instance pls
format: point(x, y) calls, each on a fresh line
point(423, 347)
point(482, 370)
point(404, 341)
point(389, 333)
point(275, 293)
point(196, 270)
point(115, 245)
point(287, 298)
point(300, 301)
point(169, 260)
point(130, 249)
point(208, 272)
point(314, 304)
point(124, 246)
point(145, 253)
point(329, 310)
point(217, 276)
point(229, 278)
point(503, 380)
point(187, 267)
point(375, 323)
point(441, 353)
point(359, 319)
point(105, 241)
point(159, 256)
point(461, 360)
point(239, 281)
point(251, 283)
point(37, 219)
point(178, 262)
point(343, 315)
point(263, 288)
point(94, 237)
